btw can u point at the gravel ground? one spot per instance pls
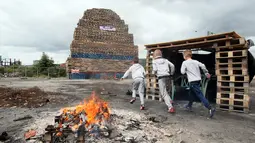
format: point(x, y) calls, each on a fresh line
point(188, 127)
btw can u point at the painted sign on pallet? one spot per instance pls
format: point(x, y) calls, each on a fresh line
point(107, 28)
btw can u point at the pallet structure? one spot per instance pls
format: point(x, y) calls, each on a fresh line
point(102, 47)
point(232, 77)
point(231, 67)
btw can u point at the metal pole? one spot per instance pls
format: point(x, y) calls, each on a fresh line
point(48, 72)
point(37, 72)
point(25, 71)
point(13, 70)
point(58, 72)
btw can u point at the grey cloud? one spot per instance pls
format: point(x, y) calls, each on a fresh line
point(49, 25)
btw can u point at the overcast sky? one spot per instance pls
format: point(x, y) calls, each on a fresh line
point(30, 27)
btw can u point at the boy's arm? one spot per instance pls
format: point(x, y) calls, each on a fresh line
point(202, 66)
point(172, 67)
point(154, 67)
point(183, 68)
point(127, 73)
point(143, 71)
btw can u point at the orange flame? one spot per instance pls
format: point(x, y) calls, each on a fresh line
point(96, 111)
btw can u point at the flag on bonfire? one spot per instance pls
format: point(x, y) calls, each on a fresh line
point(107, 28)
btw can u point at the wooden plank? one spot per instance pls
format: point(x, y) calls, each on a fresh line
point(233, 109)
point(231, 54)
point(232, 60)
point(244, 90)
point(204, 38)
point(235, 96)
point(237, 44)
point(232, 102)
point(233, 84)
point(153, 97)
point(233, 71)
point(228, 78)
point(241, 65)
point(185, 45)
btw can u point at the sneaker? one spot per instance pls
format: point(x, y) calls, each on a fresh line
point(171, 110)
point(132, 100)
point(189, 108)
point(142, 107)
point(211, 112)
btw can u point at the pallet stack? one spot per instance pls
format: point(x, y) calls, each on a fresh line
point(152, 88)
point(232, 76)
point(101, 43)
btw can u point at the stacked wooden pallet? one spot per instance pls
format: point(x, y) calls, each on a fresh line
point(232, 76)
point(152, 89)
point(101, 43)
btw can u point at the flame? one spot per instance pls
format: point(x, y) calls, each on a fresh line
point(96, 112)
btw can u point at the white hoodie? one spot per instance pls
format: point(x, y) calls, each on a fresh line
point(163, 67)
point(137, 71)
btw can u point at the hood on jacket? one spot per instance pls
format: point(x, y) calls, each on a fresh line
point(160, 61)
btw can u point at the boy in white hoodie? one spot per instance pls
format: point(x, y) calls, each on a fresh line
point(138, 74)
point(192, 69)
point(164, 69)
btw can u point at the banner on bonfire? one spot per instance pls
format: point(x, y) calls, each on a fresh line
point(75, 71)
point(107, 28)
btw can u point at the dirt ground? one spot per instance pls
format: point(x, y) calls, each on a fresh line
point(184, 126)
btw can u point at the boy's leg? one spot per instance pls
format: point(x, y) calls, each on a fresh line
point(135, 85)
point(195, 87)
point(191, 98)
point(163, 91)
point(141, 91)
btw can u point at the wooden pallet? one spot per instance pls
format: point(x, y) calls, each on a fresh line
point(231, 54)
point(227, 78)
point(153, 97)
point(233, 71)
point(242, 65)
point(232, 102)
point(237, 96)
point(233, 84)
point(152, 91)
point(224, 89)
point(233, 109)
point(230, 47)
point(242, 60)
point(151, 79)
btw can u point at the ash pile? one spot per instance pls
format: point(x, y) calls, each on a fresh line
point(93, 121)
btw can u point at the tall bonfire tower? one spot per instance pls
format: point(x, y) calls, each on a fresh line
point(102, 47)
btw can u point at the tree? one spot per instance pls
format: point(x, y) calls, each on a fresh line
point(44, 63)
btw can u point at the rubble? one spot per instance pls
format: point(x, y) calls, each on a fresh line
point(4, 136)
point(23, 118)
point(31, 98)
point(29, 134)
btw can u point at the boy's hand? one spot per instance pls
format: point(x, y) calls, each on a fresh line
point(208, 75)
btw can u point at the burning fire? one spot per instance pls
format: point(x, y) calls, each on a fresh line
point(88, 114)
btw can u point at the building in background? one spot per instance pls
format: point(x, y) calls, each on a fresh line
point(35, 62)
point(102, 46)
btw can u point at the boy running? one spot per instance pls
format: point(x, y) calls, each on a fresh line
point(138, 74)
point(164, 69)
point(192, 69)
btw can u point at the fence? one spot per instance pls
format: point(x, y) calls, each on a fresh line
point(30, 71)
